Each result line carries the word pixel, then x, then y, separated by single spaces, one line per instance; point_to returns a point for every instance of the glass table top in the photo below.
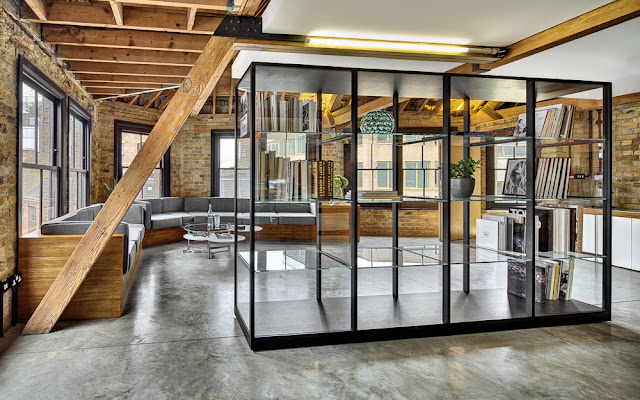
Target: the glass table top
pixel 205 227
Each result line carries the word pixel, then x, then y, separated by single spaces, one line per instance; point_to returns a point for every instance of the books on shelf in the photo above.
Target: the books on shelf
pixel 275 113
pixel 502 232
pixel 557 229
pixel 553 279
pixel 282 179
pixel 552 178
pixel 554 121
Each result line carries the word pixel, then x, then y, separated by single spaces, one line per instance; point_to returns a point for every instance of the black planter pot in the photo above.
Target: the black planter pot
pixel 462 188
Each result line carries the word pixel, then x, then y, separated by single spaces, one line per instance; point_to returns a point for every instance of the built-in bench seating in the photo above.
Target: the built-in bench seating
pixel 279 221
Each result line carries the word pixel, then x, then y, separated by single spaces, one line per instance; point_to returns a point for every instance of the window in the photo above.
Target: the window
pixel 384 138
pixel 226 166
pixel 78 157
pixel 129 139
pixel 415 176
pixel 292 146
pixel 383 175
pixel 360 165
pixel 223 164
pixel 40 112
pixel 302 144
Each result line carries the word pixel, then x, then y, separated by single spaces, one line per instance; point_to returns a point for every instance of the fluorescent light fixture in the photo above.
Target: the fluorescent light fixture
pixel 388 45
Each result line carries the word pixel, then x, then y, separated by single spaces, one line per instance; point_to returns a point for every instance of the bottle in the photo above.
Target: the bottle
pixel 210 218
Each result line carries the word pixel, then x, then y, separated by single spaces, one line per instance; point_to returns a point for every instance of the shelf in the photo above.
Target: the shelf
pixel 382 257
pixel 403 199
pixel 292 260
pixel 267 132
pixel 492 198
pixel 479 140
pixel 330 201
pixel 576 199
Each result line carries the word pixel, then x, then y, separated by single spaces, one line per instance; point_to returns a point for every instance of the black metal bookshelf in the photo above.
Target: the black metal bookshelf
pixel 344 305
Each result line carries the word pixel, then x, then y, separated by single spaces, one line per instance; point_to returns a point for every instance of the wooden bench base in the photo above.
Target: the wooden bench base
pixel 102 294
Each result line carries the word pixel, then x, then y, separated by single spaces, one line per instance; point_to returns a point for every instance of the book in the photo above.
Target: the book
pixel 552 178
pixel 502 229
pixel 555 121
pixel 517 280
pixel 487 234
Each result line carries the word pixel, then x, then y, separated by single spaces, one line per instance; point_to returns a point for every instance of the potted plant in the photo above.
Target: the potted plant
pixel 461 181
pixel 109 189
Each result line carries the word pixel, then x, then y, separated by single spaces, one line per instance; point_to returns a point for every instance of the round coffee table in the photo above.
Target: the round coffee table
pixel 216 238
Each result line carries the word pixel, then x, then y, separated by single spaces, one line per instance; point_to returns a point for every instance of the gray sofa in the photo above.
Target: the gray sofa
pixel 76 223
pixel 170 212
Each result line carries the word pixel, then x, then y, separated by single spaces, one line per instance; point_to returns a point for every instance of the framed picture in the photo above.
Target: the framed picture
pixel 515 178
pixel 244 103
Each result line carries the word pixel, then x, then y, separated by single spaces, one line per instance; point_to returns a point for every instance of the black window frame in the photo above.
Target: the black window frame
pixel 216 135
pixel 78 112
pixel 120 126
pixel 29 74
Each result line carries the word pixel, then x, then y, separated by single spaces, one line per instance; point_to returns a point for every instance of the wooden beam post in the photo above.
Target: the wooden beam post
pixel 205 73
pixel 39 8
pixel 118 12
pixel 191 18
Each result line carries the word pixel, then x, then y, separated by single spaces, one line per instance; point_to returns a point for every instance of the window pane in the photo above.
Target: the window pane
pixel 383 174
pixel 73 191
pixel 28 125
pixel 410 178
pixel 152 187
pixel 79 144
pixel 227 153
pixel 49 195
pixel 130 146
pixel 82 189
pixel 46 126
pixel 30 200
pixel 292 146
pixel 72 138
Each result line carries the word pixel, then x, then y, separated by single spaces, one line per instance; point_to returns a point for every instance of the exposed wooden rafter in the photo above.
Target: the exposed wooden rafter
pixel 39 8
pixel 118 12
pixel 99 15
pixel 343 116
pixel 596 20
pixel 126 56
pixel 84 67
pixel 123 38
pixel 135 79
pixel 191 18
pixel 204 74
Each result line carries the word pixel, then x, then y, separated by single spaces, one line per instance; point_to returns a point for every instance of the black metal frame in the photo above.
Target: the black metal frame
pixel 126 126
pixel 447 327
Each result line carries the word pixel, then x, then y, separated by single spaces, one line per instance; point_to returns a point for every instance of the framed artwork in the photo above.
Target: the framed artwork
pixel 515 178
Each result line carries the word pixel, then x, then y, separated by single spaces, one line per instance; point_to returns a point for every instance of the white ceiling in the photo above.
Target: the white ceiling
pixel 609 55
pixel 483 23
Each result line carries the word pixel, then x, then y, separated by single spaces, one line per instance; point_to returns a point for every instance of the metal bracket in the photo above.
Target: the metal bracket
pixel 11 283
pixel 250 28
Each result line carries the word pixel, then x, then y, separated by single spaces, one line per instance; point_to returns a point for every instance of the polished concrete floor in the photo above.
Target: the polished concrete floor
pixel 179 339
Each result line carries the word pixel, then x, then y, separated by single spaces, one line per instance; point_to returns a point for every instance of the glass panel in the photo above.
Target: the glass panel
pixel 227 154
pixel 73 191
pixel 49 195
pixel 72 138
pixel 79 149
pixel 28 124
pixel 131 143
pixel 46 129
pixel 153 186
pixel 30 200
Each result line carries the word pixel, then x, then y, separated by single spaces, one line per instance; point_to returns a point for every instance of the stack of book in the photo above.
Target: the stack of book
pixel 553 279
pixel 556 230
pixel 378 195
pixel 284 180
pixel 552 178
pixel 274 113
pixel 551 122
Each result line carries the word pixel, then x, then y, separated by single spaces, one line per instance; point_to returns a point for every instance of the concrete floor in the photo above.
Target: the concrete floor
pixel 179 339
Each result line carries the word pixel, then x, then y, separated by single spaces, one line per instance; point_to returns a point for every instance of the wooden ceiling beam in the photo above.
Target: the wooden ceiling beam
pixel 402 105
pixel 106 91
pixel 126 56
pixel 253 8
pixel 114 85
pixel 99 15
pixel 135 79
pixel 84 67
pixel 378 104
pixel 210 5
pixel 596 20
pixel 166 101
pixel 584 104
pixel 118 12
pixel 123 38
pixel 205 73
pixel 421 105
pixel 39 8
pixel 191 18
pixel 334 102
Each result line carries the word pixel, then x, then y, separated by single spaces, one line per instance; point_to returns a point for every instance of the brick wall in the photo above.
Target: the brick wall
pixel 413 223
pixel 626 156
pixel 20 39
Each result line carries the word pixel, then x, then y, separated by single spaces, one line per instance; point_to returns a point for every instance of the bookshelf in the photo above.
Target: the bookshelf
pixel 295 118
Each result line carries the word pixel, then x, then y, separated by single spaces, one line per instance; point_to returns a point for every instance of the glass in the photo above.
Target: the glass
pixel 49 195
pixel 46 129
pixel 73 191
pixel 78 147
pixel 31 203
pixel 131 143
pixel 28 124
